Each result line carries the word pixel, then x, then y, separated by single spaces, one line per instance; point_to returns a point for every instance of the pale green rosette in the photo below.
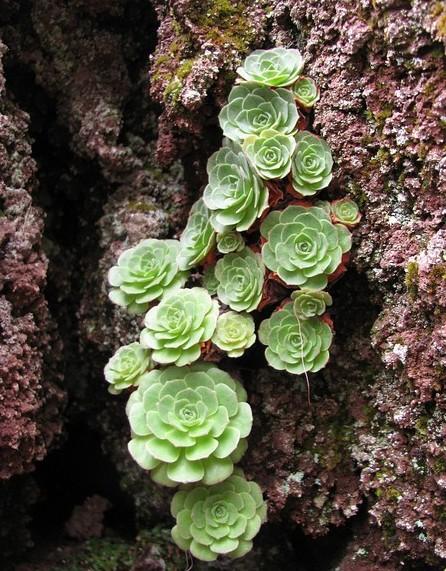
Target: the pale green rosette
pixel 252 109
pixel 218 520
pixel 235 333
pixel 178 325
pixel 277 67
pixel 308 303
pixel 346 211
pixel 198 238
pixel 240 278
pixel 293 345
pixel 303 246
pixel 145 273
pixel 189 424
pixel 270 153
pixel 312 164
pixel 126 368
pixel 306 92
pixel 235 194
pixel 230 242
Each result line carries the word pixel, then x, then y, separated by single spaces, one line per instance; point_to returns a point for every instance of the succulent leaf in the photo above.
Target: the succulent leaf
pixel 297 346
pixel 178 325
pixel 218 520
pixel 306 92
pixel 303 246
pixel 145 273
pixel 308 303
pixel 311 165
pixel 270 153
pixel 209 281
pixel 240 276
pixel 235 194
pixel 251 109
pixel 277 67
pixel 235 333
pixel 198 238
pixel 189 424
pixel 126 367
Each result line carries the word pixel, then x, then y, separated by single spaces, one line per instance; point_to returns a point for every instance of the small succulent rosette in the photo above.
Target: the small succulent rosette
pixel 230 241
pixel 345 211
pixel 306 92
pixel 278 67
pixel 189 424
pixel 198 238
pixel 177 327
pixel 309 303
pixel 218 520
pixel 312 164
pixel 294 345
pixel 145 273
pixel 235 194
pixel 126 368
pixel 235 332
pixel 303 247
pixel 270 153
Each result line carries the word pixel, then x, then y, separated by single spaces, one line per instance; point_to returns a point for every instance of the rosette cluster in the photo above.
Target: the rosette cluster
pixel 262 235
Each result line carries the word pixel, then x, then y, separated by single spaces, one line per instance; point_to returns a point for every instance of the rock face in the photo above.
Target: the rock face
pixel 120 157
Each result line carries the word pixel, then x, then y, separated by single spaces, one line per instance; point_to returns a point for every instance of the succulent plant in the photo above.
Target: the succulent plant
pixel 145 273
pixel 198 238
pixel 240 276
pixel 303 246
pixel 209 281
pixel 189 424
pixel 277 67
pixel 308 303
pixel 251 109
pixel 270 153
pixel 230 241
pixel 178 325
pixel 345 211
pixel 311 165
pixel 235 194
pixel 218 520
pixel 126 367
pixel 306 92
pixel 235 333
pixel 297 346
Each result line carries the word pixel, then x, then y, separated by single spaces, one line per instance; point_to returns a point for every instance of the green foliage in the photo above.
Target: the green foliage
pixel 240 276
pixel 209 281
pixel 312 164
pixel 235 333
pixel 198 238
pixel 230 242
pixel 188 424
pixel 178 325
pixel 270 153
pixel 251 109
pixel 345 211
pixel 277 67
pixel 308 303
pixel 220 520
pixel 145 273
pixel 306 92
pixel 235 194
pixel 303 246
pixel 126 367
pixel 297 346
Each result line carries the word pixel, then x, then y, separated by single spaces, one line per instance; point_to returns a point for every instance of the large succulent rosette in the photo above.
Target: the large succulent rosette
pixel 277 67
pixel 145 273
pixel 311 165
pixel 251 109
pixel 240 276
pixel 218 520
pixel 188 424
pixel 126 367
pixel 177 327
pixel 294 345
pixel 303 247
pixel 235 194
pixel 198 238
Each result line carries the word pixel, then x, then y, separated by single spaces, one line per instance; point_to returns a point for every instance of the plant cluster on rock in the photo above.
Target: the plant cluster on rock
pixel 256 243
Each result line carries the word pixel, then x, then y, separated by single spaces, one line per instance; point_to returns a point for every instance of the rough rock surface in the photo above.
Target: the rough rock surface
pixel 363 468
